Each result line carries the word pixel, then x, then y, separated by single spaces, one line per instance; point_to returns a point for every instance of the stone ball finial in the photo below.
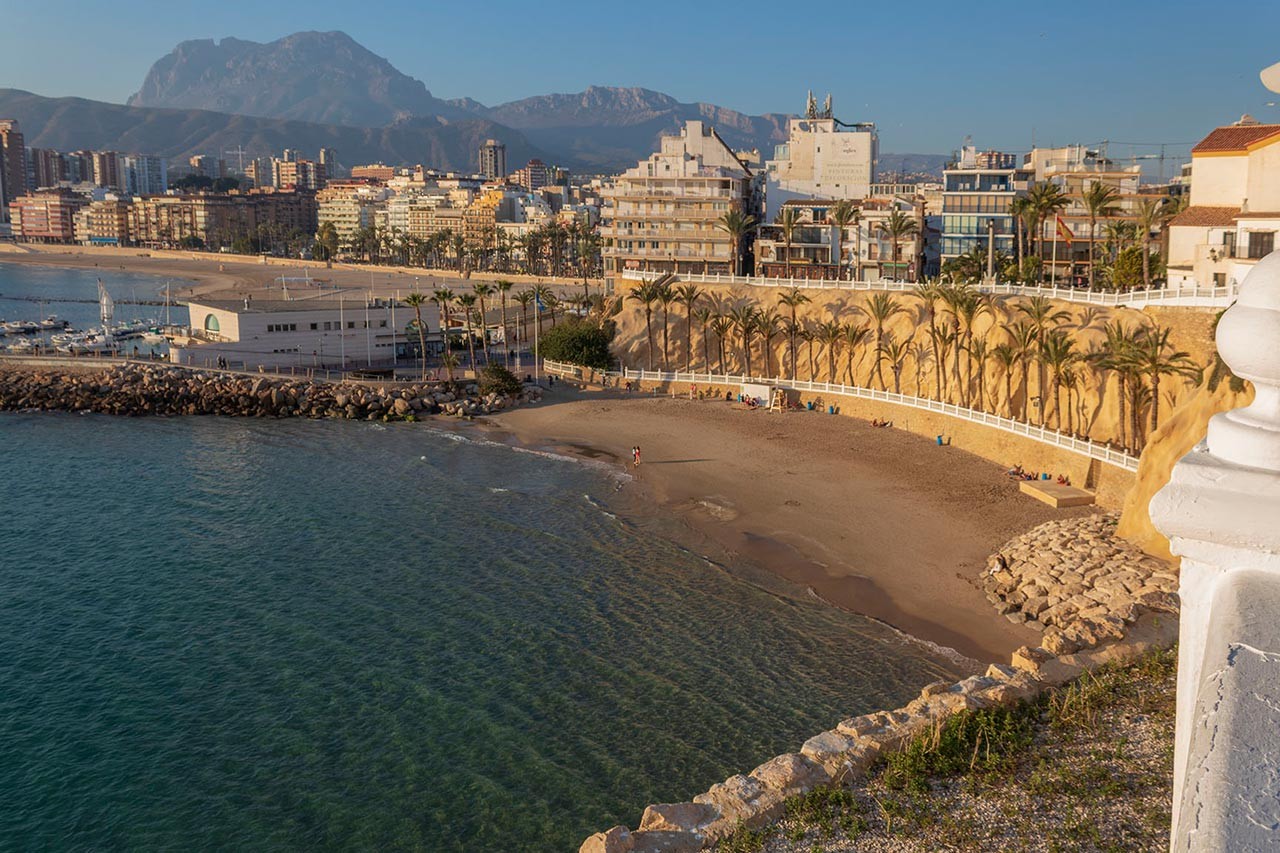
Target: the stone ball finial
pixel 1249 342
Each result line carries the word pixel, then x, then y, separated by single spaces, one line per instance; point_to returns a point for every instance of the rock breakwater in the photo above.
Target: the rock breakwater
pixel 136 390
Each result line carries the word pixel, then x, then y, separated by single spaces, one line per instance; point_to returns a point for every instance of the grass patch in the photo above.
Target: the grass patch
pixel 979 742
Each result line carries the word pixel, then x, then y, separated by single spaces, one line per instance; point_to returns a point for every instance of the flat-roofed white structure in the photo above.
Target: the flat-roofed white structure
pixel 332 332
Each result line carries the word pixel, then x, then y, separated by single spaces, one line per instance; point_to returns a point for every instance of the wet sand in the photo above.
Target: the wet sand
pixel 877 521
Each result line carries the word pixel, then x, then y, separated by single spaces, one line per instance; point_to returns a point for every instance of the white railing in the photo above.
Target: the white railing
pixel 1198 296
pixel 1083 446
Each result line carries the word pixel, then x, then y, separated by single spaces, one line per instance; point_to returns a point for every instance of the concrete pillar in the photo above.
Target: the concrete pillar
pixel 1221 512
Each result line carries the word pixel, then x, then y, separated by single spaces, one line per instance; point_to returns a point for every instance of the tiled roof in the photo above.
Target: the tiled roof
pixel 1204 216
pixel 1236 138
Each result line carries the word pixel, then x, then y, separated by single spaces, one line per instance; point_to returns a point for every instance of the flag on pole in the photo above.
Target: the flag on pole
pixel 1064 231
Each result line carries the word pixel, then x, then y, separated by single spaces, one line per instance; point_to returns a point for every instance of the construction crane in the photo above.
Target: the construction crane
pixel 238 150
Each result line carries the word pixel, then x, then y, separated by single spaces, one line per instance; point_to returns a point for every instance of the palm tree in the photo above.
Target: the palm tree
pixel 855 335
pixel 1018 210
pixel 807 335
pixel 1152 214
pixel 1005 357
pixel 968 306
pixel 793 299
pixel 1025 342
pixel 444 299
pixel 646 294
pixel 1046 199
pixel 482 290
pixel 831 335
pixel 524 299
pixel 769 325
pixel 1153 357
pixel 466 302
pixel 788 221
pixel 842 214
pixel 929 293
pixel 703 314
pixel 689 294
pixel 1057 352
pixel 666 297
pixel 450 362
pixel 542 298
pixel 895 352
pixel 899 226
pixel 502 286
pixel 737 224
pixel 1099 201
pixel 744 321
pixel 881 308
pixel 1041 314
pixel 415 301
pixel 979 353
pixel 722 325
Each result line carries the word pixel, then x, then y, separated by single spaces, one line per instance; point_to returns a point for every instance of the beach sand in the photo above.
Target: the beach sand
pixel 877 521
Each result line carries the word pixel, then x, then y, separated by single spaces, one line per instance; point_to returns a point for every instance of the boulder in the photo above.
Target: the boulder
pixel 678 817
pixel 790 774
pixel 616 840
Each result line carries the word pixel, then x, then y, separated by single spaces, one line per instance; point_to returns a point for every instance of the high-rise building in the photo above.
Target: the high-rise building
pixel 106 169
pixel 46 216
pixel 665 209
pixel 13 160
pixel 144 174
pixel 329 159
pixel 493 159
pixel 822 158
pixel 208 166
pixel 48 167
pixel 534 176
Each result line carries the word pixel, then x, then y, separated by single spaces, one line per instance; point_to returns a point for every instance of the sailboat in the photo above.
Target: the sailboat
pixel 96 341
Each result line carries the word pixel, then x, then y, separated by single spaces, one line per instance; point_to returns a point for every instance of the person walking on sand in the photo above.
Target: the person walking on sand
pixel 635 456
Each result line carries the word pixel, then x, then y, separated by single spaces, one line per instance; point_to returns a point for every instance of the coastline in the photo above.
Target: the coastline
pixel 875 521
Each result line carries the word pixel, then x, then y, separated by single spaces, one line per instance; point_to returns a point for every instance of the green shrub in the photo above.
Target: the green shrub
pixel 578 342
pixel 496 379
pixel 968 741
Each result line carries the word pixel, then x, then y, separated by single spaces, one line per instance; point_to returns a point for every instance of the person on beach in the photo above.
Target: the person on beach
pixel 635 456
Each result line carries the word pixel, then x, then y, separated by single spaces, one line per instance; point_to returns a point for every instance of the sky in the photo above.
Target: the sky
pixel 1140 74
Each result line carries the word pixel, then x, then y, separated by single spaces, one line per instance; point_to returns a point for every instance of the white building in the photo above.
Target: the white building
pixel 143 174
pixel 1235 206
pixel 329 333
pixel 822 158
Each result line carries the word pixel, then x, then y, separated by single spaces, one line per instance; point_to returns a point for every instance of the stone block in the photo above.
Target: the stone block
pixel 616 840
pixel 678 817
pixel 790 774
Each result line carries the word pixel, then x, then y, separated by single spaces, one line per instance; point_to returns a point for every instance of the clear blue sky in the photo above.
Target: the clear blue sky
pixel 1145 72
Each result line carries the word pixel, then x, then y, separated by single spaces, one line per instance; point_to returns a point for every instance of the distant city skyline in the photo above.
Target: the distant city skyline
pixel 1141 75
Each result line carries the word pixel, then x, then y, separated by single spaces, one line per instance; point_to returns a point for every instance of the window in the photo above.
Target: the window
pixel 313 326
pixel 1261 243
pixel 351 324
pixel 211 323
pixel 382 324
pixel 327 325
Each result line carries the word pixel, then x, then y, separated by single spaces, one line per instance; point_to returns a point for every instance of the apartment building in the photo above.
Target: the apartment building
pixel 493 160
pixel 13 162
pixel 862 251
pixel 1235 206
pixel 46 216
pixel 103 223
pixel 663 212
pixel 823 157
pixel 349 205
pixel 977 191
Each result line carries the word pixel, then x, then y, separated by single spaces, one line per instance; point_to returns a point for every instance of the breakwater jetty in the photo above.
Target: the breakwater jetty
pixel 148 389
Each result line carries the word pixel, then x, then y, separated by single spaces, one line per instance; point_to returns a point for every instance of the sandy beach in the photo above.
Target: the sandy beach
pixel 877 521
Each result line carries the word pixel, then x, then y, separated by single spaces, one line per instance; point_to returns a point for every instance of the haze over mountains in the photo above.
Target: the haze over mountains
pixel 314 89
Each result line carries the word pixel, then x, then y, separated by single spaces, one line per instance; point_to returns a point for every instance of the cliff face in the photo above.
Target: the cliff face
pixel 1173 440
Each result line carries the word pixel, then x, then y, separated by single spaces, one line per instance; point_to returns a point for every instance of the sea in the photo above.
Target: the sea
pixel 235 634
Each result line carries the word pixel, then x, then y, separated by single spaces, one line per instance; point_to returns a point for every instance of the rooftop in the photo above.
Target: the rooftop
pixel 1205 215
pixel 1237 139
pixel 275 306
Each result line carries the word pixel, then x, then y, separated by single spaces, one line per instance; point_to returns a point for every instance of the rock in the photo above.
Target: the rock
pixel 616 840
pixel 790 774
pixel 1055 642
pixel 934 688
pixel 401 407
pixel 663 841
pixel 678 817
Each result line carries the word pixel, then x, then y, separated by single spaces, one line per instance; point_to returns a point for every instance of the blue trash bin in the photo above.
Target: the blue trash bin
pixel 939 441
pixel 810 404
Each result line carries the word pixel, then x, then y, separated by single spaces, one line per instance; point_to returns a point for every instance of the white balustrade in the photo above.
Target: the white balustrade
pixel 1084 447
pixel 1221 512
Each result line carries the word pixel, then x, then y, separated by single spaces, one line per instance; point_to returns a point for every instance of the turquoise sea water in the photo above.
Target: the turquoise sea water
pixel 267 635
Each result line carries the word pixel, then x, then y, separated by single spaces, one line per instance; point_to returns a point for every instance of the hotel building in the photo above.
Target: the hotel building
pixel 976 193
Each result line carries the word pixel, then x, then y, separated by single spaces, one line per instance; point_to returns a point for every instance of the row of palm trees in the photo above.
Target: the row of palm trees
pixel 553 249
pixel 1046 200
pixel 959 338
pixel 473 308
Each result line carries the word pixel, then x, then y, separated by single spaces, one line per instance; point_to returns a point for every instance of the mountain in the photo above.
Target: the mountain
pixel 74 123
pixel 326 78
pixel 611 128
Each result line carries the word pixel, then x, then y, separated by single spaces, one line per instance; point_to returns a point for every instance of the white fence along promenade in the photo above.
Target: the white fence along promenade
pixel 1083 446
pixel 1210 297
